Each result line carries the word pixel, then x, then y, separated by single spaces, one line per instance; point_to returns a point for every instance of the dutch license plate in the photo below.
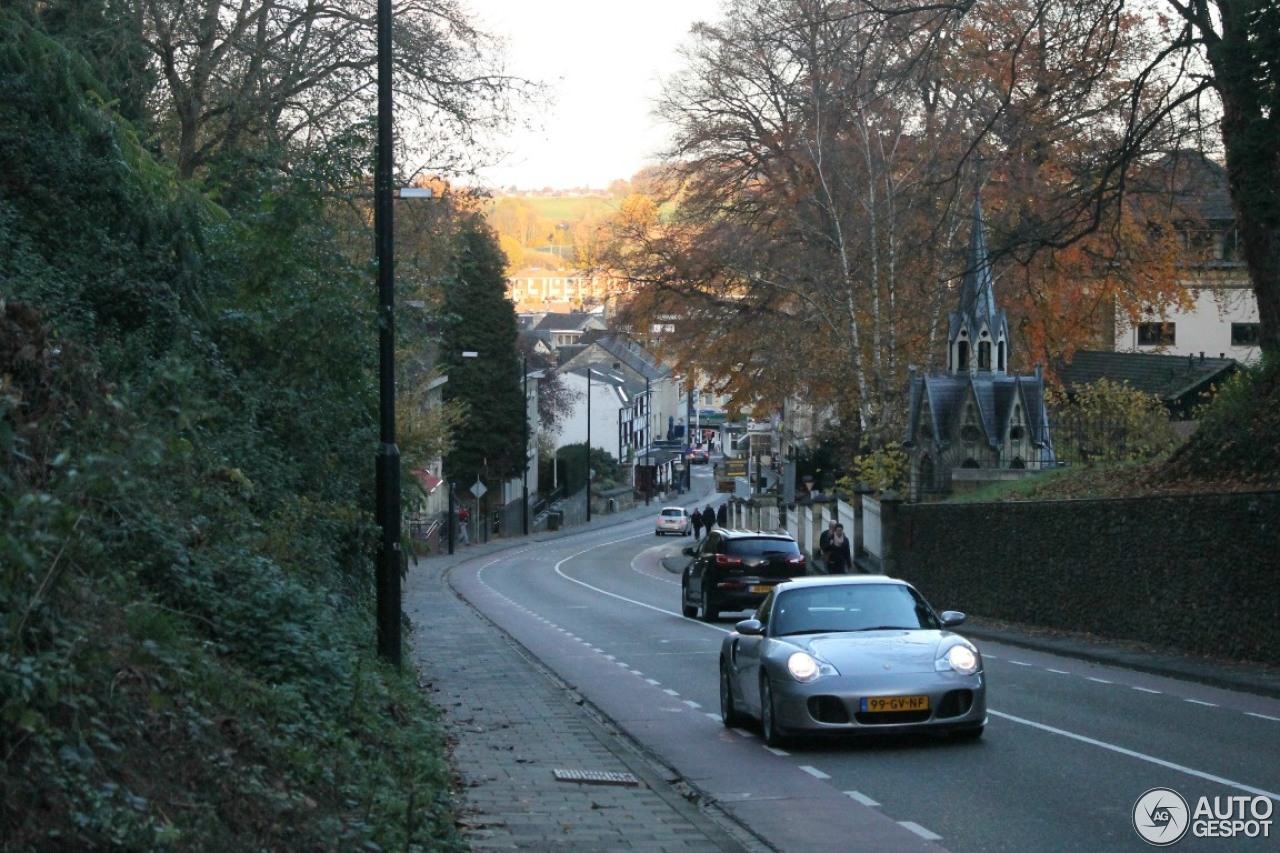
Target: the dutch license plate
pixel 889 704
pixel 761 587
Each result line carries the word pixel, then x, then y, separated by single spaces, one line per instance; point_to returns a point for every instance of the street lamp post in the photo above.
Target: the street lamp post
pixel 588 442
pixel 525 480
pixel 449 521
pixel 388 466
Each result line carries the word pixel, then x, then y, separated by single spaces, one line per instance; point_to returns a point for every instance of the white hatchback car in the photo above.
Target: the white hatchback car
pixel 673 519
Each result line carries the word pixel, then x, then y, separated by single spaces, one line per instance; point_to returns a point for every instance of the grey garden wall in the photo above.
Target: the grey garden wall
pixel 1198 573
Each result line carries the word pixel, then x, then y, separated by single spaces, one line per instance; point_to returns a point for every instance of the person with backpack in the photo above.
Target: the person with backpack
pixel 464 516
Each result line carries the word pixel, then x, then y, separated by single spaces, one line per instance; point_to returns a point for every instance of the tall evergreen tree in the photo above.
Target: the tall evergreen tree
pixel 479 318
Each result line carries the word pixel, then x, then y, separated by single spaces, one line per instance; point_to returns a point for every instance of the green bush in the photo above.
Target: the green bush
pixel 186 466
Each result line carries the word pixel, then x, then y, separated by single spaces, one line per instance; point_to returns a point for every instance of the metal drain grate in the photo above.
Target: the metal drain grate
pixel 596 777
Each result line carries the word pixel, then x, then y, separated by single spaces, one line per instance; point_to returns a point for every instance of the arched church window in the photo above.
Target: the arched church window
pixel 1016 433
pixel 1000 356
pixel 928 473
pixel 970 432
pixel 984 355
pixel 962 355
pixel 970 463
pixel 1017 463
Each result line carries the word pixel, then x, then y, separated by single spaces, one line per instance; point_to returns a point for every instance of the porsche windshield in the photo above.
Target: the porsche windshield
pixel 850 607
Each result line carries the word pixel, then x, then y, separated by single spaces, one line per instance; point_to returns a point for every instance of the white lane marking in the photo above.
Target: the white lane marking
pixel 692 704
pixel 777 751
pixel 559 568
pixel 862 798
pixel 1159 761
pixel 665 577
pixel 1263 716
pixel 1200 702
pixel 919 830
pixel 655 682
pixel 1190 771
pixel 1147 690
pixel 814 772
pixel 712 716
pixel 1057 671
pixel 670 692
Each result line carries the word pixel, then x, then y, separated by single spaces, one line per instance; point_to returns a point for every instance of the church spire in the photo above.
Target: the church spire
pixel 979 331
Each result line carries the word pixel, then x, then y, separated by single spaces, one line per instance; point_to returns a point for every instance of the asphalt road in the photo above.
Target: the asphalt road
pixel 1070 747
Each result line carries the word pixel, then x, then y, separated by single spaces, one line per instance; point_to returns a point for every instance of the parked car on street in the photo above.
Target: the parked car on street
pixel 673 519
pixel 699 457
pixel 851 655
pixel 736 569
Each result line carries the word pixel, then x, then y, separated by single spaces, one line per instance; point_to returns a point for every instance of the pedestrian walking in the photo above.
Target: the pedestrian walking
pixel 697 525
pixel 824 541
pixel 722 515
pixel 840 559
pixel 708 518
pixel 464 515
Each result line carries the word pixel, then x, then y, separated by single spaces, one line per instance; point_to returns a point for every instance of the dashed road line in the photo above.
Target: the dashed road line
pixel 919 830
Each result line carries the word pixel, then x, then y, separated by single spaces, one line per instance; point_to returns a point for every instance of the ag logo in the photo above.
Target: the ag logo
pixel 1161 817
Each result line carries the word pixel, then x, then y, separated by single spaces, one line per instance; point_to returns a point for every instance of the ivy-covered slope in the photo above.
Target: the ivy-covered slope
pixel 186 449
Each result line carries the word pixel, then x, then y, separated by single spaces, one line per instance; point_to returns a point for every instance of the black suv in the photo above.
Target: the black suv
pixel 736 569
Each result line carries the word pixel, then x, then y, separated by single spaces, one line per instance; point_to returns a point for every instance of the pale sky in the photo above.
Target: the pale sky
pixel 601 60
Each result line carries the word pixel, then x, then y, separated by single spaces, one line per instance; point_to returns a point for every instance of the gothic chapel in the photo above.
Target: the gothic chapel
pixel 975 423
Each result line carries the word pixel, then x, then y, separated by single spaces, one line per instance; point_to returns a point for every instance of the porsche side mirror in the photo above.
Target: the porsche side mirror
pixel 951 618
pixel 751 627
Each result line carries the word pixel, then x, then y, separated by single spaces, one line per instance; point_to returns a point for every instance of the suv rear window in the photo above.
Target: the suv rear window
pixel 760 547
pixel 673 513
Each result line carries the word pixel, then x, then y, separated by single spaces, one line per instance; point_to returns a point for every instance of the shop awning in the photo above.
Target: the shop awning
pixel 428 480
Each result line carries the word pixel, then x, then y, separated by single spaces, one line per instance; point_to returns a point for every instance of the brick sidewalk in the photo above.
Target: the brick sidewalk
pixel 537 770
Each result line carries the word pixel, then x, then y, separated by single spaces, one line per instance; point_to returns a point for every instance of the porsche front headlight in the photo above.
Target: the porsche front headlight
pixel 804 667
pixel 961 658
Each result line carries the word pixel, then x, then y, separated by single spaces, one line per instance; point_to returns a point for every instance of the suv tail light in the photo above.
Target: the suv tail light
pixel 728 560
pixel 797 560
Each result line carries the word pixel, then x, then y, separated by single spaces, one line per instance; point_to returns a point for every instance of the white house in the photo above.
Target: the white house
pixel 1223 322
pixel 629 360
pixel 611 409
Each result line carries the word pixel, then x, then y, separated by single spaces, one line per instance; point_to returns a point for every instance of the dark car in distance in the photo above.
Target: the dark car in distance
pixel 735 569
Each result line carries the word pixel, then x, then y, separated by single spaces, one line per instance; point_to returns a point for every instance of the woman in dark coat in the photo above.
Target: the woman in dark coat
pixel 722 515
pixel 708 518
pixel 839 556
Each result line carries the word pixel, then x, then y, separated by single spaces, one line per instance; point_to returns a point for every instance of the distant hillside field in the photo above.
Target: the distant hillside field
pixel 568 208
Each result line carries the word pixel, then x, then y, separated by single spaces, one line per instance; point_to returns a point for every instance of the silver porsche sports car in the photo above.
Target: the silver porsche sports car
pixel 851 654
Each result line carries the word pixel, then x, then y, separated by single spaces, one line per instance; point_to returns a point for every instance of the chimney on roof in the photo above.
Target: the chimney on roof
pixel 1201 357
